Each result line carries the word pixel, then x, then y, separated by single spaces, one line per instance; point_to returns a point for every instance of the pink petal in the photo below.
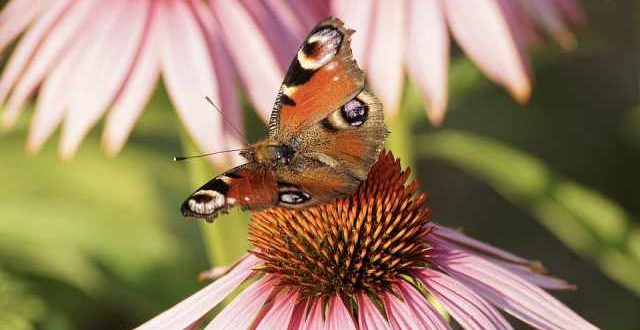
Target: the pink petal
pixel 279 316
pixel 315 319
pixel 572 11
pixel 482 31
pixel 449 239
pixel 400 315
pixel 103 69
pixel 240 313
pixel 140 84
pixel 193 308
pixel 310 12
pixel 17 15
pixel 189 73
pixel 36 51
pixel 428 317
pixel 369 317
pixel 297 317
pixel 359 16
pixel 284 11
pixel 338 317
pixel 260 72
pixel 384 67
pixel 55 92
pixel 467 243
pixel 513 294
pixel 227 77
pixel 283 41
pixel 550 17
pixel 467 307
pixel 427 54
pixel 541 280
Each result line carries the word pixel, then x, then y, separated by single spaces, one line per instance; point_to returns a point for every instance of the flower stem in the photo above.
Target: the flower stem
pixel 400 125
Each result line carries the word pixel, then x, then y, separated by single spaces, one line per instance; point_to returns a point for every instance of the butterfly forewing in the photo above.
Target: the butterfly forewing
pixel 322 77
pixel 248 186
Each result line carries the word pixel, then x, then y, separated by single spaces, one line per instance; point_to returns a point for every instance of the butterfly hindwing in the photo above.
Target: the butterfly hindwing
pixel 335 154
pixel 249 186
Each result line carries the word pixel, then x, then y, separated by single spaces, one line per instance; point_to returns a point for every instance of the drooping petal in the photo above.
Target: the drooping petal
pixel 286 14
pixel 538 279
pixel 227 77
pixel 41 46
pixel 422 309
pixel 310 12
pixel 103 69
pixel 140 84
pixel 427 54
pixel 297 316
pixel 315 318
pixel 450 239
pixel 260 72
pixel 240 313
pixel 513 294
pixel 369 317
pixel 548 15
pixel 492 47
pixel 279 315
pixel 338 317
pixel 359 16
pixel 463 241
pixel 282 40
pixel 56 93
pixel 193 308
pixel 572 11
pixel 17 15
pixel 400 315
pixel 467 307
pixel 384 68
pixel 189 74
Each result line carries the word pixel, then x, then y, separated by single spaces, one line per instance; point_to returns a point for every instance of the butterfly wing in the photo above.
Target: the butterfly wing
pixel 336 128
pixel 249 186
pixel 322 77
pixel 335 154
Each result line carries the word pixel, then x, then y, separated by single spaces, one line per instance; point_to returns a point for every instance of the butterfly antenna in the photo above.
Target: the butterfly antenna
pixel 226 120
pixel 179 158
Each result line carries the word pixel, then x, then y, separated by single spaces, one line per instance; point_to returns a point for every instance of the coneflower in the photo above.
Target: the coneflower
pixel 373 260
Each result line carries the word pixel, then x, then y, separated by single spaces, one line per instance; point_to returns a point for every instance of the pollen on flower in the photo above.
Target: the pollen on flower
pixel 357 244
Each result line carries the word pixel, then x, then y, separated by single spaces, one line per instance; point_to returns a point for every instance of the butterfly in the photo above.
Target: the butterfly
pixel 324 133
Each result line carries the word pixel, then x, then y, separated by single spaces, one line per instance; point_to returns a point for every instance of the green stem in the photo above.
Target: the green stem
pixel 400 125
pixel 226 238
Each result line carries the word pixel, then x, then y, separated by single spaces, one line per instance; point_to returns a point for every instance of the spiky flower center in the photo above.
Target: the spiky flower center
pixel 361 243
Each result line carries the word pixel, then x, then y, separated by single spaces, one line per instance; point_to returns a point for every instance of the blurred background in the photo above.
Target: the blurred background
pixel 98 242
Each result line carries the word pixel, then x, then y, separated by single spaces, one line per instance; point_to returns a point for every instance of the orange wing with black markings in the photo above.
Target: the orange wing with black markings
pixel 322 77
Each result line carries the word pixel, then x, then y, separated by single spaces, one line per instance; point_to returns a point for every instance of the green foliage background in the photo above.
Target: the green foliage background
pixel 98 243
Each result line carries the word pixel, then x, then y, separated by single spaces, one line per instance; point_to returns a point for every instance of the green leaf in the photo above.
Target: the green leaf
pixel 68 220
pixel 19 309
pixel 585 220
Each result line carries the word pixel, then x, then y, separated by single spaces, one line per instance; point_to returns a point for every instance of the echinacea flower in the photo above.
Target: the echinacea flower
pixel 372 261
pixel 88 58
pixel 495 34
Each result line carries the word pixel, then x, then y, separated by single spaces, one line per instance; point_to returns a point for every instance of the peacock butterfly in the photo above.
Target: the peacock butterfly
pixel 325 131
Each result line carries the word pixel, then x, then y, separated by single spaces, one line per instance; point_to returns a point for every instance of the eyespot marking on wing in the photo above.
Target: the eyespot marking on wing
pixel 355 112
pixel 205 202
pixel 291 195
pixel 319 48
